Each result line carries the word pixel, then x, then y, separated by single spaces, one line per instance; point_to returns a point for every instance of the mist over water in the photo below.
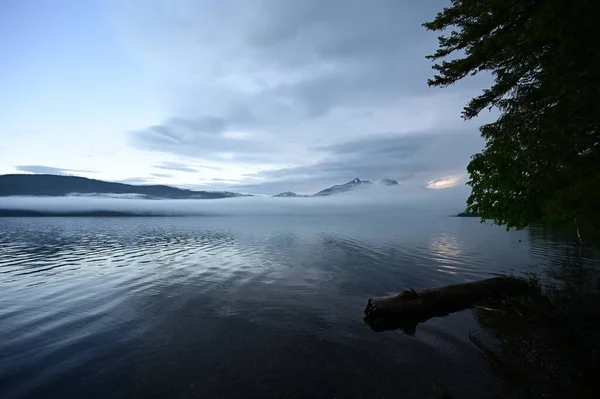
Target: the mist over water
pixel 366 200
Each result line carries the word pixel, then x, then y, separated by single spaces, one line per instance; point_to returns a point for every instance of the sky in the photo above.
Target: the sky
pixel 257 96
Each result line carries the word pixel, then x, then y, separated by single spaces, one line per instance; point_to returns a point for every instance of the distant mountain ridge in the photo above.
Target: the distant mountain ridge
pixel 57 185
pixel 290 194
pixel 341 188
pixel 389 182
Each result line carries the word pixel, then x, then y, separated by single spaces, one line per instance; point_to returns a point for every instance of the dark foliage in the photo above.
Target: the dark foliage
pixel 542 155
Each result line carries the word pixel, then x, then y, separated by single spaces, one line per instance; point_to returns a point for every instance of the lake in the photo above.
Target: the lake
pixel 236 307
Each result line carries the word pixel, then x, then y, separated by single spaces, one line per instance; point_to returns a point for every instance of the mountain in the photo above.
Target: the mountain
pixel 351 185
pixel 289 194
pixel 389 182
pixel 56 185
pixel 342 188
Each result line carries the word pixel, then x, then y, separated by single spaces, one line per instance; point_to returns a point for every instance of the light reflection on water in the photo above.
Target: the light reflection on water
pixel 446 250
pixel 245 307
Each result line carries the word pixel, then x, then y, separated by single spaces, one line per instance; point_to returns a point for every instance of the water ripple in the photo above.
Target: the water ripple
pixel 208 307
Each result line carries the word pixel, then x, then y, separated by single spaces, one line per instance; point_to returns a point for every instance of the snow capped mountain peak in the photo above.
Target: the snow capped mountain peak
pixel 341 188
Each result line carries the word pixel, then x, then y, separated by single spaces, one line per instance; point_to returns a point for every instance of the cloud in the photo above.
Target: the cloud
pixel 443 183
pixel 49 170
pixel 298 90
pixel 310 55
pixel 417 157
pixel 201 124
pixel 176 166
pixel 208 145
pixel 134 180
pixel 182 167
pixel 165 175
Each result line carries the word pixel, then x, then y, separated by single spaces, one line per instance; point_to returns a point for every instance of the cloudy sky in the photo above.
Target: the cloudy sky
pixel 257 96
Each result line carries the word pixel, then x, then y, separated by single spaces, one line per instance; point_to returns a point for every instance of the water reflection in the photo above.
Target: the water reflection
pixel 241 307
pixel 447 250
pixel 549 347
pixel 567 265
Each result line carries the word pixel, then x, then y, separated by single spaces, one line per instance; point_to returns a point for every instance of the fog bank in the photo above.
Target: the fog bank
pixel 372 200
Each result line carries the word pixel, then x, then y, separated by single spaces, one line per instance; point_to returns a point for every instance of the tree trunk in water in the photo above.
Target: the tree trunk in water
pixel 409 308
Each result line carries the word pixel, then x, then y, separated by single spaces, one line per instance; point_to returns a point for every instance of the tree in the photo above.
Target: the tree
pixel 542 155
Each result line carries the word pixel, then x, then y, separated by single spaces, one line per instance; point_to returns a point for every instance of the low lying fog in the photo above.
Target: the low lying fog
pixel 369 200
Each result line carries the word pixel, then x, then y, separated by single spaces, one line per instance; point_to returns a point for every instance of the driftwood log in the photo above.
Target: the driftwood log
pixel 411 307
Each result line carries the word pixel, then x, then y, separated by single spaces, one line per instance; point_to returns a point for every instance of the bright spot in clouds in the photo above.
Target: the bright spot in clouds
pixel 443 183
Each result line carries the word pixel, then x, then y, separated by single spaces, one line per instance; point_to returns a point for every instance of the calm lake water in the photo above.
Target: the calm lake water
pixel 234 307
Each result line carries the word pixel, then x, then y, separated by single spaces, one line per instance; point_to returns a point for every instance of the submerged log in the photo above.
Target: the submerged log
pixel 411 307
